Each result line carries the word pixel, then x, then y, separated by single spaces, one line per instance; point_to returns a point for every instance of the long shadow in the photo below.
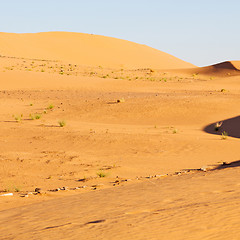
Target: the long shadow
pixel 211 168
pixel 227 165
pixel 231 126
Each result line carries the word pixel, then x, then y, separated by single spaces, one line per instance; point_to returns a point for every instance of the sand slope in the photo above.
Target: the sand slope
pixel 199 206
pixel 149 132
pixel 86 49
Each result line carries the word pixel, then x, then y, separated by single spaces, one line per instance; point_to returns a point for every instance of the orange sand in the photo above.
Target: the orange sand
pixel 86 49
pixel 146 128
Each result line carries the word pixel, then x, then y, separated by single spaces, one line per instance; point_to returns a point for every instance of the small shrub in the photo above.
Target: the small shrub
pixel 101 174
pixel 50 106
pixel 195 74
pixel 175 131
pixel 17 118
pixel 224 135
pixel 38 116
pixel 62 123
pixel 17 189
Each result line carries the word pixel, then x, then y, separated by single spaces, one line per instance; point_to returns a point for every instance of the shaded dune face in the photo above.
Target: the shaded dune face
pixel 87 49
pixel 232 65
pixel 230 126
pixel 223 69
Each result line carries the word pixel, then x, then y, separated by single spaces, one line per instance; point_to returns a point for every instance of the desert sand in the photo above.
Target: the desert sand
pixel 120 139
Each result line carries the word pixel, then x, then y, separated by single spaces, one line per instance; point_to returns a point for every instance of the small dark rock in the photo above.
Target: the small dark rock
pixel 38 190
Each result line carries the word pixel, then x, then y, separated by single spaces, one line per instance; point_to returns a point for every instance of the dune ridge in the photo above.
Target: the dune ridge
pixel 87 49
pixel 234 65
pixel 222 69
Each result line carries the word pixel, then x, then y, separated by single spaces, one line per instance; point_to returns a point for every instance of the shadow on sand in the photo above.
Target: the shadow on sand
pixel 231 126
pixel 227 165
pixel 211 168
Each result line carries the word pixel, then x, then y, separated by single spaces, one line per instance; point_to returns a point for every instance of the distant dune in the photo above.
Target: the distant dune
pixel 233 65
pixel 87 49
pixel 223 69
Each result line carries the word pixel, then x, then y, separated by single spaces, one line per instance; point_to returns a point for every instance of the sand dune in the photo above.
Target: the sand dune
pixel 231 65
pixel 86 49
pixel 223 69
pixel 138 158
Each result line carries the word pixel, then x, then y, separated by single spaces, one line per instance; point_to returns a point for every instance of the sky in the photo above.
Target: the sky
pixel 202 32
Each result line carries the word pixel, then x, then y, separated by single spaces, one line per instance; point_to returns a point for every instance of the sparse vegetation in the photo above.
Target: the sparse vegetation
pixel 11 188
pixel 50 106
pixel 175 131
pixel 17 189
pixel 101 174
pixel 195 75
pixel 224 135
pixel 18 118
pixel 62 123
pixel 38 116
pixel 31 117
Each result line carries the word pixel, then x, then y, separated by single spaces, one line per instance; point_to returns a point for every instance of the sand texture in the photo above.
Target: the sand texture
pixel 86 49
pixel 138 146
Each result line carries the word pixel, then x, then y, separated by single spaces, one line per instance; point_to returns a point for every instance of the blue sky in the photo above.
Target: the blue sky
pixel 201 32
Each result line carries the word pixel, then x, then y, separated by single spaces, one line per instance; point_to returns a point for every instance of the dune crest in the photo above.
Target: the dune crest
pixel 227 67
pixel 87 49
pixel 223 69
pixel 231 65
